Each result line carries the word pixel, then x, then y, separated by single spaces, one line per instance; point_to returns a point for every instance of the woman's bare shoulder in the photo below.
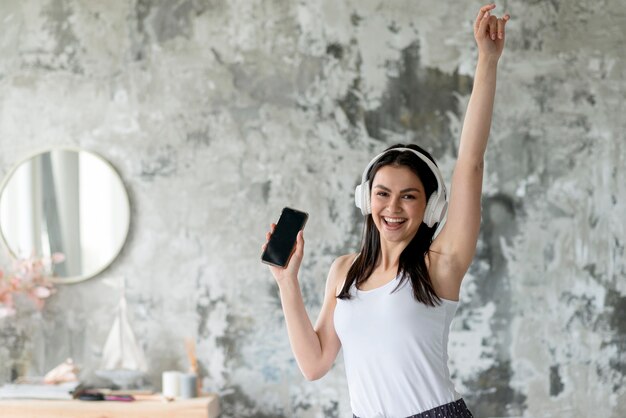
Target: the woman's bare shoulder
pixel 344 262
pixel 339 271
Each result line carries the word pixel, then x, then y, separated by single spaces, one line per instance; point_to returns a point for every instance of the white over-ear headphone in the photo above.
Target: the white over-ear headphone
pixel 435 208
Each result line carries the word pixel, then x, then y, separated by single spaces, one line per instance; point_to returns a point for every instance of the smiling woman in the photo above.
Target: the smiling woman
pixel 65 201
pixel 389 307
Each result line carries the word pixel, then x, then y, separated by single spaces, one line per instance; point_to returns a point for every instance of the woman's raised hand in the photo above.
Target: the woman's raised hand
pixel 489 32
pixel 290 272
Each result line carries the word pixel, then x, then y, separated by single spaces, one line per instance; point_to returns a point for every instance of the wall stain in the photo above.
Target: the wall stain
pixel 355 19
pixel 161 165
pixel 488 397
pixel 236 330
pixel 15 345
pixel 237 404
pixel 490 390
pixel 266 188
pixel 580 95
pixel 167 19
pixel 351 103
pixel 617 303
pixel 616 312
pixel 162 20
pixel 65 52
pixel 268 88
pixel 585 314
pixel 556 384
pixel 204 311
pixel 335 50
pixel 331 411
pixel 417 100
pixel 200 137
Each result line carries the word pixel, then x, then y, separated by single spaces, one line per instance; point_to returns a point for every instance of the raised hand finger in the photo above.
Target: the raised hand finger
pixel 493 27
pixel 483 28
pixel 501 23
pixel 481 13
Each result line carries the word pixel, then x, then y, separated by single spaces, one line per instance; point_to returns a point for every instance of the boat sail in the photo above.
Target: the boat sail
pixel 123 360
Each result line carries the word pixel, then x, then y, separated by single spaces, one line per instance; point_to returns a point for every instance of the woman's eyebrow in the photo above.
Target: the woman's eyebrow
pixel 387 189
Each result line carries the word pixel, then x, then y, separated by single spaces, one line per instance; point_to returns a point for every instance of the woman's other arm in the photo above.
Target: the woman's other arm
pixel 457 241
pixel 315 348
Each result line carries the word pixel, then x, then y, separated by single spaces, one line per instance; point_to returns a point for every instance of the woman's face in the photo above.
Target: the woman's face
pixel 398 203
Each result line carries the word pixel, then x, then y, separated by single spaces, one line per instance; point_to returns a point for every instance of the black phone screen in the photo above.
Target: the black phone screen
pixel 283 239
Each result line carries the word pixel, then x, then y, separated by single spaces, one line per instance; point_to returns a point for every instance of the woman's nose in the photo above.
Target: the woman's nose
pixel 394 205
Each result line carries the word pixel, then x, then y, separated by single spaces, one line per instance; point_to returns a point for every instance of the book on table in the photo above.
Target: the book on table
pixel 37 391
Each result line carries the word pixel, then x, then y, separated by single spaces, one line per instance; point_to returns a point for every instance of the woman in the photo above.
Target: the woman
pixel 390 305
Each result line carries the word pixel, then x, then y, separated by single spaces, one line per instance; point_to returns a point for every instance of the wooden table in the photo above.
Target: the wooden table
pixel 147 406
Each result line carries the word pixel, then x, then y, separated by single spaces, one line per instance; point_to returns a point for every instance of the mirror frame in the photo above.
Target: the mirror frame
pixel 116 253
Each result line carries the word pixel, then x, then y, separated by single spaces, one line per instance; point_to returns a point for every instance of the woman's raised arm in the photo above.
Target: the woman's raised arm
pixel 457 240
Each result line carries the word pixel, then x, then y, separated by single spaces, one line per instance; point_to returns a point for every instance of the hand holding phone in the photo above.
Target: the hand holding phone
pixel 282 241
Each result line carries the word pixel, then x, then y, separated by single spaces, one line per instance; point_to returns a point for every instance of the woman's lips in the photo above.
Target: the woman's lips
pixel 393 223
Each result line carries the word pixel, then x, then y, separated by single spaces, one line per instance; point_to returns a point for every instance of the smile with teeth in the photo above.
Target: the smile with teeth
pixel 394 221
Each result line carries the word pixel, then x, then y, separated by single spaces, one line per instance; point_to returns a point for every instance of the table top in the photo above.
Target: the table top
pixel 145 406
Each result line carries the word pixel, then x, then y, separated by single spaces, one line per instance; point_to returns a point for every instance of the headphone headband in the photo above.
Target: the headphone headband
pixel 433 167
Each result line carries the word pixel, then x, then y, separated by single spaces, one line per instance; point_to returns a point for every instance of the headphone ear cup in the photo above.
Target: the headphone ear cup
pixel 362 198
pixel 428 213
pixel 435 209
pixel 367 198
pixel 358 201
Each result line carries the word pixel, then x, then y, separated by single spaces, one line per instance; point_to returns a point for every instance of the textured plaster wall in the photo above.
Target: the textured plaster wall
pixel 218 113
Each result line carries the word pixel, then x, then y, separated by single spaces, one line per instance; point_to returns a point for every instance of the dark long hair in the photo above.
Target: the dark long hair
pixel 412 264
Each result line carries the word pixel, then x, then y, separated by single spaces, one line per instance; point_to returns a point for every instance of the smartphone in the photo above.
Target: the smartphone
pixel 283 239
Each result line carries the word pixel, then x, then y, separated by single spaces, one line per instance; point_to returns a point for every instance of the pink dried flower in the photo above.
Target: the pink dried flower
pixel 31 277
pixel 41 292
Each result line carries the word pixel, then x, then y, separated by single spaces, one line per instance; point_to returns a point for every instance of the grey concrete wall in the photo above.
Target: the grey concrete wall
pixel 219 113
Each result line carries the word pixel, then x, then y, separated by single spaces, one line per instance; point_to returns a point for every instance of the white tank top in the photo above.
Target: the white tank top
pixel 395 351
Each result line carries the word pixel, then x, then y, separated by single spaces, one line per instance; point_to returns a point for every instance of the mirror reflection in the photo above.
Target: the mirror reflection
pixel 67 201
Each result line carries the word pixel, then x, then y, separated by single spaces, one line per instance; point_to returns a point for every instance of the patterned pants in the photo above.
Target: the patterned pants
pixel 456 409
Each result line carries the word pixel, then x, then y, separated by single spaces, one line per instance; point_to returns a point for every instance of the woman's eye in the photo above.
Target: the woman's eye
pixel 409 196
pixel 382 194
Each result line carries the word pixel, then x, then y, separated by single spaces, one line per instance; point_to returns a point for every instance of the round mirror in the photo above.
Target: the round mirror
pixel 65 201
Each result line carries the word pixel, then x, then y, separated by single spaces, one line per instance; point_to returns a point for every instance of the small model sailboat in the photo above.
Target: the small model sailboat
pixel 123 361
